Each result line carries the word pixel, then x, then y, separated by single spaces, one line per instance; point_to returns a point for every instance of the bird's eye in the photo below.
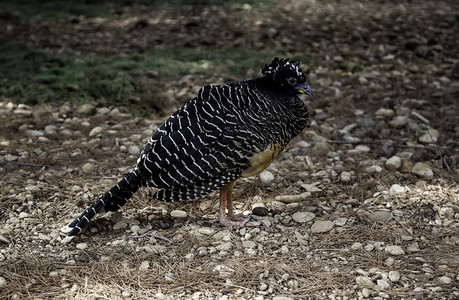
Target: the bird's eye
pixel 292 80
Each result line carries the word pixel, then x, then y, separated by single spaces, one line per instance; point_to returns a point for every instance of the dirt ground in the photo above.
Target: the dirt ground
pixel 363 204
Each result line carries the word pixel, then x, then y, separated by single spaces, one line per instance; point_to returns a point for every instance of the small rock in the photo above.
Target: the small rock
pixel 134 150
pixel 394 250
pixel 321 226
pixel 356 246
pixel 321 148
pixel 399 122
pixel 248 244
pixel 86 109
pixel 394 276
pixel 33 133
pixel 144 265
pixel 444 280
pixel 340 221
pixel 120 225
pixel 385 112
pixel 126 294
pixel 383 284
pixel 345 176
pixel 414 247
pixel 266 177
pixel 303 216
pixel 393 163
pixel 95 131
pixel 206 231
pixel 397 189
pixel 431 136
pixel 422 170
pixel 364 281
pixel 178 214
pixel 366 122
pixel 81 246
pixel 87 168
pixel 23 215
pixel 311 188
pixel 3 282
pixel 381 216
pixel 362 149
pixel 420 155
pixel 260 211
pixel 373 169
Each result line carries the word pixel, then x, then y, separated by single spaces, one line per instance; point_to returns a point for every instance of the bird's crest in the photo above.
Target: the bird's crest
pixel 283 68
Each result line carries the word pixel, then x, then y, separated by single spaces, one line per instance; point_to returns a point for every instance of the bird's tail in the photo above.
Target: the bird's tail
pixel 112 200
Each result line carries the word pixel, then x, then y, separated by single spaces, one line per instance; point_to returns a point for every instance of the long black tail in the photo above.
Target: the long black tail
pixel 111 201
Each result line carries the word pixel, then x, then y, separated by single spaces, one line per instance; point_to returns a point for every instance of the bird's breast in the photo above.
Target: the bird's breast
pixel 261 160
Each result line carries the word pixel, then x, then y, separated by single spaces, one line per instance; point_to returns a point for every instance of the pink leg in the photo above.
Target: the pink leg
pixel 226 202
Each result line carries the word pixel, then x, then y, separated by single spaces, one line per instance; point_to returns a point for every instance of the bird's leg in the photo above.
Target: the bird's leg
pixel 226 202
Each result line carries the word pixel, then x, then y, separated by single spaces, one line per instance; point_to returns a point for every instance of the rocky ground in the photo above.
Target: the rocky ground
pixel 363 204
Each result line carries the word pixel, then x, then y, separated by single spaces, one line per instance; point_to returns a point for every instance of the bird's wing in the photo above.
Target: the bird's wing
pixel 202 142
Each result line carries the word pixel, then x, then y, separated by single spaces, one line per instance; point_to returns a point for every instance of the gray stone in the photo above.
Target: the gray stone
pixel 393 163
pixel 86 109
pixel 394 250
pixel 120 225
pixel 81 246
pixel 399 122
pixel 383 284
pixel 321 226
pixel 431 136
pixel 397 189
pixel 95 131
pixel 345 176
pixel 292 198
pixel 178 214
pixel 266 177
pixel 303 216
pixel 87 168
pixel 248 244
pixel 422 170
pixel 385 112
pixel 321 148
pixel 394 276
pixel 381 216
pixel 366 122
pixel 3 282
pixel 134 150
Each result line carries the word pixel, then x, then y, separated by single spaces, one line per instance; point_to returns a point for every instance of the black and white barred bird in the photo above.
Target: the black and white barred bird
pixel 227 132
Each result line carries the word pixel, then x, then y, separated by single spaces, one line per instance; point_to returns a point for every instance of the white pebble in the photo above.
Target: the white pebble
pixel 81 246
pixel 3 282
pixel 266 177
pixel 303 216
pixel 394 276
pixel 394 250
pixel 178 214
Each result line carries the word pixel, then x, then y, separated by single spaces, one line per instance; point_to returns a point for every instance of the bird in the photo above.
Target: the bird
pixel 227 132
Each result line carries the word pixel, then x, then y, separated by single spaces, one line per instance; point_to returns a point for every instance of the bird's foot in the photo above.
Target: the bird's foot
pixel 234 220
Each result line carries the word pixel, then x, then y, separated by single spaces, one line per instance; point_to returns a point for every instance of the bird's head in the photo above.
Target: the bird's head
pixel 287 76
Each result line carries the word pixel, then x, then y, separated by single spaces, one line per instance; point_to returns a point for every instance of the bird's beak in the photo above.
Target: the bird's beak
pixel 304 88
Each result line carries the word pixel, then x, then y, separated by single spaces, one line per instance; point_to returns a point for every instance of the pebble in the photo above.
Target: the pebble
pixel 383 284
pixel 282 298
pixel 86 109
pixel 260 211
pixel 422 170
pixel 399 121
pixel 3 282
pixel 394 276
pixel 340 221
pixel 81 246
pixel 393 163
pixel 95 131
pixel 414 247
pixel 266 177
pixel 206 231
pixel 385 112
pixel 444 280
pixel 311 188
pixel 366 122
pixel 144 265
pixel 134 150
pixel 381 216
pixel 120 225
pixel 87 168
pixel 364 281
pixel 321 226
pixel 178 214
pixel 248 244
pixel 303 216
pixel 431 136
pixel 394 250
pixel 345 176
pixel 321 148
pixel 397 189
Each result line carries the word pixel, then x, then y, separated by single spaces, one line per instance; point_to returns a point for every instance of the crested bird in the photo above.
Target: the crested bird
pixel 225 133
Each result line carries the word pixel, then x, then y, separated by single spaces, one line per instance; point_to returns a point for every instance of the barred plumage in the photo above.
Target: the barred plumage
pixel 227 132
